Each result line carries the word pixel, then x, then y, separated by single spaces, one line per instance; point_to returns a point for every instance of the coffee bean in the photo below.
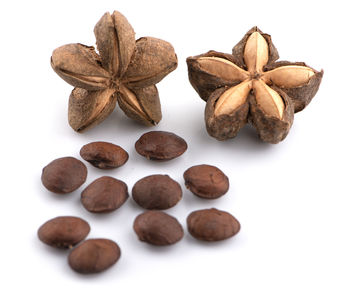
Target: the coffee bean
pixel 158 228
pixel 157 192
pixel 206 181
pixel 160 145
pixel 212 225
pixel 94 255
pixel 104 155
pixel 105 194
pixel 63 232
pixel 64 175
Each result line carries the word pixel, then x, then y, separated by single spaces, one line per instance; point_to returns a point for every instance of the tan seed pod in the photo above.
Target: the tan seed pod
pixel 125 70
pixel 78 65
pixel 115 40
pixel 87 109
pixel 147 67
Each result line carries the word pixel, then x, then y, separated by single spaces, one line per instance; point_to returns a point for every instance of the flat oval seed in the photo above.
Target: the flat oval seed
pixel 212 225
pixel 64 175
pixel 157 192
pixel 94 255
pixel 63 232
pixel 206 181
pixel 105 194
pixel 160 145
pixel 104 155
pixel 158 228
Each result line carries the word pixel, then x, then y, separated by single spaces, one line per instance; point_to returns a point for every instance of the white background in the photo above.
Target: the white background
pixel 292 199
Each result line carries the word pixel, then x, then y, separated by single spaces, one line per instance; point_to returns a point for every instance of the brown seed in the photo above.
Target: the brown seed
pixel 64 175
pixel 157 192
pixel 105 194
pixel 160 145
pixel 94 255
pixel 104 155
pixel 212 225
pixel 206 181
pixel 63 232
pixel 158 228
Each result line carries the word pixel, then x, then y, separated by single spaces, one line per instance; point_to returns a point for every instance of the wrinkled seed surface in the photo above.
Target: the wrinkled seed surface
pixel 104 155
pixel 160 145
pixel 157 192
pixel 64 175
pixel 212 225
pixel 158 228
pixel 94 255
pixel 105 194
pixel 64 231
pixel 206 181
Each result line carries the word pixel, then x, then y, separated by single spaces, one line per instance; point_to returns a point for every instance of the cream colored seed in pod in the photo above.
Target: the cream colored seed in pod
pixel 222 68
pixel 289 76
pixel 232 98
pixel 268 99
pixel 256 52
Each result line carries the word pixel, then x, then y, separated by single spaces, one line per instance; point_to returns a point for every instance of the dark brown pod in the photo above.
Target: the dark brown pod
pixel 250 82
pixel 205 80
pixel 271 129
pixel 94 256
pixel 160 145
pixel 63 232
pixel 64 175
pixel 301 96
pixel 212 225
pixel 158 228
pixel 238 50
pixel 157 192
pixel 227 125
pixel 206 181
pixel 104 155
pixel 105 194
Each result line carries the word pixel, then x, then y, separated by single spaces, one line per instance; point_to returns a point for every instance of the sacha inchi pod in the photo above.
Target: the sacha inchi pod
pixel 124 71
pixel 250 86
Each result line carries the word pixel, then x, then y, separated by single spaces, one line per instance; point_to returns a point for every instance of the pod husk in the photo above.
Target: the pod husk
pixel 79 65
pixel 148 99
pixel 271 129
pixel 224 126
pixel 238 50
pixel 147 67
pixel 205 83
pixel 115 39
pixel 82 112
pixel 301 96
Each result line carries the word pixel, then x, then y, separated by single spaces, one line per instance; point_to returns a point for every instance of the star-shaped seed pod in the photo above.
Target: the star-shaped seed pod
pixel 124 71
pixel 249 86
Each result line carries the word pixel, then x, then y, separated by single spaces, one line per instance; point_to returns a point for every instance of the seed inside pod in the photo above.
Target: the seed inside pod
pixel 157 192
pixel 206 181
pixel 105 194
pixel 104 155
pixel 94 255
pixel 212 225
pixel 64 232
pixel 158 228
pixel 64 175
pixel 160 145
